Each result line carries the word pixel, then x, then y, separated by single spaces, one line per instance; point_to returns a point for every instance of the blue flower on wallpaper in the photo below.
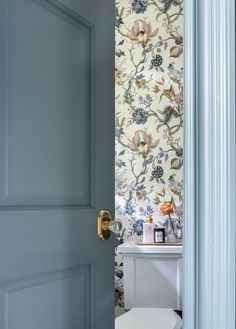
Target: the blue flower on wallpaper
pixel 139 6
pixel 148 211
pixel 140 116
pixel 129 208
pixel 137 226
pixel 141 192
pixel 119 163
pixel 119 53
pixel 173 183
pixel 172 70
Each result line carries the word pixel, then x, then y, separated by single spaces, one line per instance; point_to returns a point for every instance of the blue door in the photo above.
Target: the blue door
pixel 56 163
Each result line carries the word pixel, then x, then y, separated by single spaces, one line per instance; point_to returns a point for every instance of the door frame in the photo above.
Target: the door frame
pixel 209 165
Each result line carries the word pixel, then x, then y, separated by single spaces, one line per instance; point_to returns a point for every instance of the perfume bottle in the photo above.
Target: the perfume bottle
pixel 148 230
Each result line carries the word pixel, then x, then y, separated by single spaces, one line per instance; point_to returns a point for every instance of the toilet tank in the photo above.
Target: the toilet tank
pixel 152 275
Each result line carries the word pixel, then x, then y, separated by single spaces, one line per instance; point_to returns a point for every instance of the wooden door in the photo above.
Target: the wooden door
pixel 56 163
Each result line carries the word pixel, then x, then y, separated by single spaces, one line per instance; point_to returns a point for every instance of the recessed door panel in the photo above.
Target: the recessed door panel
pixel 63 298
pixel 48 101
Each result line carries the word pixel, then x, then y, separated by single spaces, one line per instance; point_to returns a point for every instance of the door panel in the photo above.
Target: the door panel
pixel 57 291
pixel 56 164
pixel 50 89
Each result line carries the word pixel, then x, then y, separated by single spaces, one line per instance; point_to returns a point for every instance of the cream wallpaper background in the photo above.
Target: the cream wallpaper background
pixel 149 116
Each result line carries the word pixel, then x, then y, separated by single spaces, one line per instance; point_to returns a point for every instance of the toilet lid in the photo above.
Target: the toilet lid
pixel 149 318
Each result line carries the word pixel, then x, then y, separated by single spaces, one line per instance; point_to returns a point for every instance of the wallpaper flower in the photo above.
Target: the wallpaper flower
pixel 149 115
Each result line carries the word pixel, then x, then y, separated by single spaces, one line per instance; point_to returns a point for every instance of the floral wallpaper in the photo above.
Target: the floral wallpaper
pixel 149 116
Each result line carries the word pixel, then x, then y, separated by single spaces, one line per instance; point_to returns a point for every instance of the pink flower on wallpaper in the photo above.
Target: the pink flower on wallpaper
pixel 142 142
pixel 142 32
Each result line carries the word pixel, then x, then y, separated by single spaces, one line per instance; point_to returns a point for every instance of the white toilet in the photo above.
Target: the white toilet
pixel 149 318
pixel 152 287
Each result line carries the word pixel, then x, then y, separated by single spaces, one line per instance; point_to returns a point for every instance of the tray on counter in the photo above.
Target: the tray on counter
pixel 160 244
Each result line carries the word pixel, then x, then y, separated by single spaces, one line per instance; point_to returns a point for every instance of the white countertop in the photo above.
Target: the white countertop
pixel 134 248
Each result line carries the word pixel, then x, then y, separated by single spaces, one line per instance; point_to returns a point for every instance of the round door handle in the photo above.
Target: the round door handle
pixel 103 222
pixel 106 225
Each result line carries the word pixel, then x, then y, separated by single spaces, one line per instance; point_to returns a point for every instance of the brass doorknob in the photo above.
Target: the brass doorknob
pixel 106 225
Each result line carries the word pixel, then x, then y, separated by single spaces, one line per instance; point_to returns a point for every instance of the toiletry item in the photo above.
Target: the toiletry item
pixel 148 230
pixel 159 235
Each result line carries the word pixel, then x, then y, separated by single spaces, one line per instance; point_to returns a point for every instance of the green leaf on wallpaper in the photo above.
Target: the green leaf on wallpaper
pixel 177 192
pixel 149 98
pixel 163 193
pixel 119 131
pixel 157 200
pixel 121 42
pixel 147 161
pixel 122 152
pixel 142 181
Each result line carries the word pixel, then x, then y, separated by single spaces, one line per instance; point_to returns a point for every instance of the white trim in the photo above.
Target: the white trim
pixel 189 266
pixel 209 168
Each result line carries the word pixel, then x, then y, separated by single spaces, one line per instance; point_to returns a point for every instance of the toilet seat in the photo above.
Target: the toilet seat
pixel 149 318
